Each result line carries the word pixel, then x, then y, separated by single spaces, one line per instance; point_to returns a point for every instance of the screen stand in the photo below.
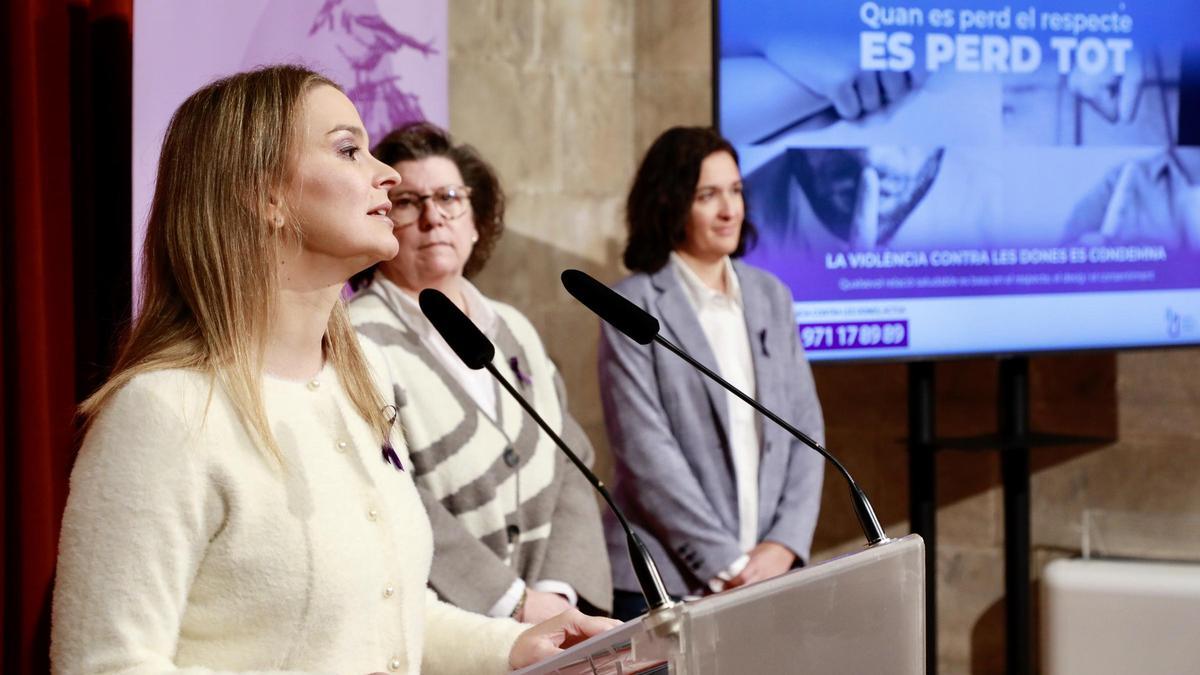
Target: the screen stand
pixel 922 490
pixel 1013 404
pixel 1014 441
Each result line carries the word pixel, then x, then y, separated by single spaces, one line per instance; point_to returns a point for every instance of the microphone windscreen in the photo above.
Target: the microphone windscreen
pixel 635 322
pixel 463 336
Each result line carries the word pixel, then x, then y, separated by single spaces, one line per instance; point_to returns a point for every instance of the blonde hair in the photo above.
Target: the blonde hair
pixel 210 255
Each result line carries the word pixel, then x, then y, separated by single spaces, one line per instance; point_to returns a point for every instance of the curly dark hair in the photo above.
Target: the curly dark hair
pixel 420 140
pixel 660 201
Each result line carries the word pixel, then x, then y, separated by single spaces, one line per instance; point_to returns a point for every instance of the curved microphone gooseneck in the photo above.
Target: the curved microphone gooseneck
pixel 641 327
pixel 476 351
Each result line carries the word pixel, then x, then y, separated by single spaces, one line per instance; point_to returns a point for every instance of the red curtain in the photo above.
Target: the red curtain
pixel 64 273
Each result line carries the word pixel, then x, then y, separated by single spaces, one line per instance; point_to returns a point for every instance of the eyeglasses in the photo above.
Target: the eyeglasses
pixel 451 202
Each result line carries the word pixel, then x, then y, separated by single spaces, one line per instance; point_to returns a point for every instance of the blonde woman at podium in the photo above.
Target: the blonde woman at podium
pixel 720 498
pixel 242 502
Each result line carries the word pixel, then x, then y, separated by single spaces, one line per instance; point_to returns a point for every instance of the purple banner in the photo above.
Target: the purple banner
pixel 861 275
pixel 390 58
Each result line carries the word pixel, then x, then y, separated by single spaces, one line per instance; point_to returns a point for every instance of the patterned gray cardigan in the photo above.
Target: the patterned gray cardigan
pixel 502 499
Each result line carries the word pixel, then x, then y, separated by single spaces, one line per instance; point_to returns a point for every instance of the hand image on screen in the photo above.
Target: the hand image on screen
pixel 833 72
pixel 1190 214
pixel 1121 212
pixel 864 226
pixel 1151 200
pixel 1114 95
pixel 864 195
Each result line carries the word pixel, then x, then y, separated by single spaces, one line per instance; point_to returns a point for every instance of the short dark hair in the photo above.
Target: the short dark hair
pixel 420 140
pixel 660 201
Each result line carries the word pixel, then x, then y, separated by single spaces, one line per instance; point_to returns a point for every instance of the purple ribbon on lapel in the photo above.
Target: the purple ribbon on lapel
pixel 522 377
pixel 390 456
pixel 387 451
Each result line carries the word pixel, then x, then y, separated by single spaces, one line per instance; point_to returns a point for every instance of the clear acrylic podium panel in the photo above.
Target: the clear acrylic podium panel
pixel 859 613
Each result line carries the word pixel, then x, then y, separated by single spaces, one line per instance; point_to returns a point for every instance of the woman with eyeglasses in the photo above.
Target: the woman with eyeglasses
pixel 516 528
pixel 241 501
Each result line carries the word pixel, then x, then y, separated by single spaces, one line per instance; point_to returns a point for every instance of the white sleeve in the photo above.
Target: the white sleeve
pixel 458 641
pixel 507 603
pixel 560 587
pixel 717 583
pixel 137 524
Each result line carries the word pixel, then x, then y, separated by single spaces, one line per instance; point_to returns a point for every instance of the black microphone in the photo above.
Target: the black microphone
pixel 638 325
pixel 641 327
pixel 476 351
pixel 463 336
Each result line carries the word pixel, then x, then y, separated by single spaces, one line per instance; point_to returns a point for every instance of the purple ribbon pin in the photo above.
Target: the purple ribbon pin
pixel 390 456
pixel 388 452
pixel 522 377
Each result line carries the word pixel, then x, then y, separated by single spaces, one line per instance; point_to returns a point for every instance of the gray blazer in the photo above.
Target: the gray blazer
pixel 668 428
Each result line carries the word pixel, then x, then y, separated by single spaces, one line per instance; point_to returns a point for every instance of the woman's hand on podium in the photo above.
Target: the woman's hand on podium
pixel 554 635
pixel 540 606
pixel 767 560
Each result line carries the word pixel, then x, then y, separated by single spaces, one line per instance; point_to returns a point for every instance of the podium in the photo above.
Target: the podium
pixel 863 612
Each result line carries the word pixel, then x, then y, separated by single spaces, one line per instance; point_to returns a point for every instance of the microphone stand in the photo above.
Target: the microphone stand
pixel 871 528
pixel 643 564
pixel 640 326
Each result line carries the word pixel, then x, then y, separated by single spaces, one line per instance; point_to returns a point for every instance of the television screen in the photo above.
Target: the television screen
pixel 936 179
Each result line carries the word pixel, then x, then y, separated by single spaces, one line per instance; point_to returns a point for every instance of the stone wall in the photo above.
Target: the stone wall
pixel 563 97
pixel 545 89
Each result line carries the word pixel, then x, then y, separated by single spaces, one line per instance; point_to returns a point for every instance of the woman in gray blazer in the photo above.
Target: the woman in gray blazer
pixel 720 496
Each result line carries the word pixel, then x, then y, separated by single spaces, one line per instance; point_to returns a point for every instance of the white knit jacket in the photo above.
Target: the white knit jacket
pixel 185 549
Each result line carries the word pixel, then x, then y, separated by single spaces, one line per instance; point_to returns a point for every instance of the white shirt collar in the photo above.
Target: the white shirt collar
pixel 699 292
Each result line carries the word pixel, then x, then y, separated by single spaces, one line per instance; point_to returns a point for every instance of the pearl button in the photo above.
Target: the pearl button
pixel 342 445
pixel 314 384
pixel 372 514
pixel 394 664
pixel 388 591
